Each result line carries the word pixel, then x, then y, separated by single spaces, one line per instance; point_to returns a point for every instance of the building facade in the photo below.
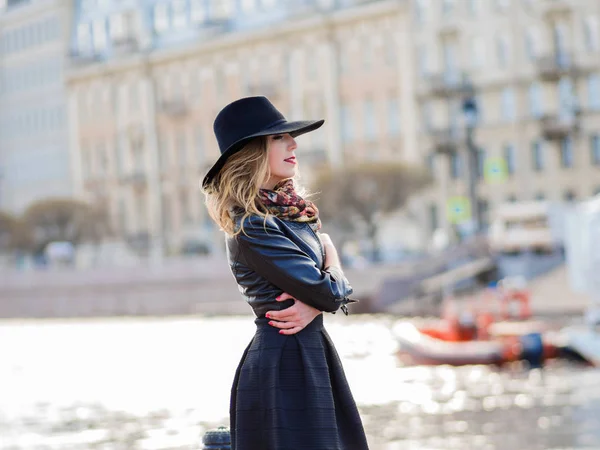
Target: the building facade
pixel 34 154
pixel 147 79
pixel 534 66
pixel 389 76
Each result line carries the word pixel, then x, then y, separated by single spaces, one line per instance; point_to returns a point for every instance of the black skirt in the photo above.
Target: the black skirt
pixel 291 393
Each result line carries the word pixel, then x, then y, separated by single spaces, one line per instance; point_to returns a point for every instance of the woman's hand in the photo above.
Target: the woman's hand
pixel 293 319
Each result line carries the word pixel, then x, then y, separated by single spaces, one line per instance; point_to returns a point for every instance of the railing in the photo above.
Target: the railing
pixel 447 84
pixel 556 65
pixel 446 141
pixel 175 107
pixel 556 127
pixel 136 178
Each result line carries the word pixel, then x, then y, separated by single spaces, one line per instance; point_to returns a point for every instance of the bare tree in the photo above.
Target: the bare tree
pixel 360 196
pixel 64 219
pixel 13 234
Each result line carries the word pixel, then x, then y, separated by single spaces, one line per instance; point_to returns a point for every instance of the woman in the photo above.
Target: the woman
pixel 289 391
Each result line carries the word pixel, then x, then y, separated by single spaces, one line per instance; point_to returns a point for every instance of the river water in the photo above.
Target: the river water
pixel 161 383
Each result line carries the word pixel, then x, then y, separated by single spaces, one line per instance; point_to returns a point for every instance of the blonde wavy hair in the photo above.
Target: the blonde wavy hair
pixel 237 185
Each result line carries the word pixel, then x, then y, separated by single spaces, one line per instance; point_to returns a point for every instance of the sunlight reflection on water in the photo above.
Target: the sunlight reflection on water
pixel 159 383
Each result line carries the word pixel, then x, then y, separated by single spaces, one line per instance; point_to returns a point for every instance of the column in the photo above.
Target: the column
pixel 330 61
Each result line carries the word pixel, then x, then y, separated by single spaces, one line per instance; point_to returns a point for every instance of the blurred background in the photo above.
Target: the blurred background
pixel 458 173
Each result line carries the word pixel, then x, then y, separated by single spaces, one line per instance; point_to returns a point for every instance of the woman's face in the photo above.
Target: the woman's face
pixel 282 159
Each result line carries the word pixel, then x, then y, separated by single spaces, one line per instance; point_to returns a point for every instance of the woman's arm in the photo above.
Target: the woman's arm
pixel 269 252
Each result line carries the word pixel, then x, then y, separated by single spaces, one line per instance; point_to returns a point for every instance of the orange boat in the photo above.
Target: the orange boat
pixel 479 337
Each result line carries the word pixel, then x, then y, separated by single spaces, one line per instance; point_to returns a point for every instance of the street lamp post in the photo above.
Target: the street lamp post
pixel 469 107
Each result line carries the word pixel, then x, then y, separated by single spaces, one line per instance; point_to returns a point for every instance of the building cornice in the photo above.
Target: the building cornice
pixel 235 39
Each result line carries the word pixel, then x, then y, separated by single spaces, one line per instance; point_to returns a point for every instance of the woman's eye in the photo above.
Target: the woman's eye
pixel 278 137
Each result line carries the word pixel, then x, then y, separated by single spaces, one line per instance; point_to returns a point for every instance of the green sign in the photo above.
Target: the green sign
pixel 495 170
pixel 459 210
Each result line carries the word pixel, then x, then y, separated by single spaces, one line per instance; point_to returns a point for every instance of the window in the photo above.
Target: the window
pixel 566 152
pixel 475 7
pixel 508 104
pixel 181 150
pixel 167 213
pixel 99 35
pixel 369 120
pixel 540 196
pixel 247 6
pixel 477 52
pixel 531 44
pixel 456 166
pixel 502 51
pixel 447 7
pixel 423 61
pixel 393 116
pixel 390 50
pixel 595 149
pixel 122 216
pixel 450 59
pixel 367 54
pixel 483 209
pixel 594 92
pixel 134 97
pixel 427 112
pixel 502 5
pixel 161 17
pixel 346 124
pixel 592 38
pixel 179 13
pixel 198 11
pixel 536 108
pixel 430 163
pixel 510 158
pixel 433 217
pixel 221 9
pixel 420 10
pixel 566 98
pixel 343 59
pixel 186 213
pixel 312 63
pixel 200 148
pixel 117 27
pixel 537 155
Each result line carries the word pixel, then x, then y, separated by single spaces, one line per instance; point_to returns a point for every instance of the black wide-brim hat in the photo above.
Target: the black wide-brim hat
pixel 245 119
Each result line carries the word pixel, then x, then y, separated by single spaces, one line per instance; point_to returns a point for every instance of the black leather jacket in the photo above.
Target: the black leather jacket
pixel 278 256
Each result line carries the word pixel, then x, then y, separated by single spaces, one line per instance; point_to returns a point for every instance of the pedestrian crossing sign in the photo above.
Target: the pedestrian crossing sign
pixel 495 170
pixel 459 210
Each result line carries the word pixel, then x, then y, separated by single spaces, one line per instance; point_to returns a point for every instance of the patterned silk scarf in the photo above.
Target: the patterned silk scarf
pixel 283 202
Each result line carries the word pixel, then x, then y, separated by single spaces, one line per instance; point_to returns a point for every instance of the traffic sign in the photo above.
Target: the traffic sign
pixel 458 210
pixel 495 170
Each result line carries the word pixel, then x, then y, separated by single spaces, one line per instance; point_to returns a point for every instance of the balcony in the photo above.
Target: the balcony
pixel 552 8
pixel 446 141
pixel 555 127
pixel 174 107
pixel 447 85
pixel 554 66
pixel 136 178
pixel 79 58
pixel 125 45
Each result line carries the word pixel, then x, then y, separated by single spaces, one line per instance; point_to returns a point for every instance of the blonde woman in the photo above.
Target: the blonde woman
pixel 289 390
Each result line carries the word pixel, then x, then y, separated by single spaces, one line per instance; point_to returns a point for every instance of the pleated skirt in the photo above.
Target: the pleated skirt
pixel 291 393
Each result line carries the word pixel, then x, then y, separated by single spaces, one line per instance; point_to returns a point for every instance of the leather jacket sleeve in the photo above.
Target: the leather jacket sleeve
pixel 264 248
